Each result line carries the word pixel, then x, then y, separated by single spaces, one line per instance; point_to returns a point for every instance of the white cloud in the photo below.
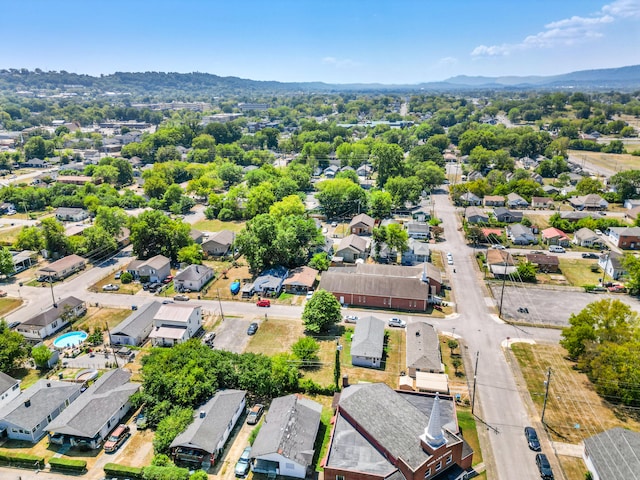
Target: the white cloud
pixel 447 61
pixel 567 31
pixel 340 62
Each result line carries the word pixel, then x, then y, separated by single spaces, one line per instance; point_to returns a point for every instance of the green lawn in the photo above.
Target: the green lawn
pixel 217 225
pixel 8 304
pixel 467 424
pixel 9 236
pixel 578 271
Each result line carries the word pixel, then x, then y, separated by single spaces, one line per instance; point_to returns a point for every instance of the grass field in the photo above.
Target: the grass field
pixel 609 161
pixel 8 236
pixel 467 424
pixel 276 336
pixel 578 271
pixel 217 225
pixel 8 304
pixel 572 467
pixel 99 317
pixel 125 289
pixel 574 410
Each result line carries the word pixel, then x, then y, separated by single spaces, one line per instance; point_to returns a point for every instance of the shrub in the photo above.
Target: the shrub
pixel 115 470
pixel 165 473
pixel 68 464
pixel 254 434
pixel 126 277
pixel 22 459
pixel 310 387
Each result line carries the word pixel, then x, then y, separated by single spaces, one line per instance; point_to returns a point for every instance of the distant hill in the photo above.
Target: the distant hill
pixel 202 85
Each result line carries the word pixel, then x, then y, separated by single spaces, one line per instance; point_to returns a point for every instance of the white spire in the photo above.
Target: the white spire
pixel 433 434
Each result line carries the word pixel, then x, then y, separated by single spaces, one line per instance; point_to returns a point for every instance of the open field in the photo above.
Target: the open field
pixel 572 467
pixel 9 304
pixel 609 161
pixel 217 225
pixel 574 410
pixel 99 317
pixel 125 289
pixel 275 336
pixel 8 236
pixel 578 271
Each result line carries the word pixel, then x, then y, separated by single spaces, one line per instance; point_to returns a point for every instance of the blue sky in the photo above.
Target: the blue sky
pixel 337 41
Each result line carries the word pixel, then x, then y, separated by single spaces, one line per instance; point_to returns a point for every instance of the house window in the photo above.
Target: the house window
pixel 449 459
pixel 427 474
pixel 289 466
pixel 438 466
pixel 339 477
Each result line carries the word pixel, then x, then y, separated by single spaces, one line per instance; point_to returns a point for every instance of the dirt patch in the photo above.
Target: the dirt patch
pixel 572 467
pixel 9 304
pixel 100 316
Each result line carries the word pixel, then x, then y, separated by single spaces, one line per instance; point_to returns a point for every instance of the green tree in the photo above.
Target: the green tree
pixel 320 261
pixel 306 349
pixel 452 344
pixel 41 355
pixel 387 159
pixel 106 173
pixel 526 271
pixel 111 219
pixel 13 348
pixel 153 233
pixel 626 183
pixel 289 205
pixel 126 278
pixel 397 238
pixel 380 203
pixel 55 240
pixel 169 428
pixel 191 254
pixel 321 312
pixel 632 265
pixel 589 185
pixel 430 174
pixel 6 262
pixel 97 242
pixel 284 374
pixel 341 197
pixel 456 363
pixel 30 238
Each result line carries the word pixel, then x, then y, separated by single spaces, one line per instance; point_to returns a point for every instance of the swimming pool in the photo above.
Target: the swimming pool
pixel 71 339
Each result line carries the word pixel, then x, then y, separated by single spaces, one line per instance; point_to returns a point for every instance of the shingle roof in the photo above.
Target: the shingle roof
pixel 223 237
pixel 193 273
pixel 175 312
pixel 368 338
pixel 542 259
pixel 353 241
pixel 157 262
pixel 44 396
pixel 206 433
pixel 63 264
pixel 138 321
pixel 615 454
pixel 585 234
pixel 364 219
pixel 423 347
pixel 6 382
pixel 302 276
pixel 289 429
pixel 45 318
pixel 91 411
pixel 553 232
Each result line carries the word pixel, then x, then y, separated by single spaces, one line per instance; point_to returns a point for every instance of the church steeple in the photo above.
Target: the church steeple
pixel 433 435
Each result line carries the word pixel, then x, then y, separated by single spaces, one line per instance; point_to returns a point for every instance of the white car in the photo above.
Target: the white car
pixel 450 261
pixel 396 322
pixel 350 319
pixel 598 232
pixel 498 247
pixel 110 287
pixel 309 294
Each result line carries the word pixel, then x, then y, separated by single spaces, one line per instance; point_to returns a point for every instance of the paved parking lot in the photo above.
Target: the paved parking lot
pixel 231 334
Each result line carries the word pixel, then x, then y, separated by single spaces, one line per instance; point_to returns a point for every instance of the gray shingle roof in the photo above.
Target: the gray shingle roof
pixel 87 415
pixel 423 347
pixel 615 454
pixel 290 429
pixel 205 433
pixel 6 382
pixel 45 318
pixel 223 237
pixel 353 241
pixel 44 396
pixel 157 262
pixel 193 273
pixel 368 338
pixel 364 219
pixel 138 321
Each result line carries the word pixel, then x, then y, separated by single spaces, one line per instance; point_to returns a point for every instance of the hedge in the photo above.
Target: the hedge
pixel 165 473
pixel 22 459
pixel 115 470
pixel 68 464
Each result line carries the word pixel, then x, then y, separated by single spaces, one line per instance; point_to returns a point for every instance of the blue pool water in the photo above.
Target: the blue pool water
pixel 71 339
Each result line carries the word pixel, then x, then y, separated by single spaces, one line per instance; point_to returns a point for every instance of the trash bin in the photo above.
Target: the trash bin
pixel 134 307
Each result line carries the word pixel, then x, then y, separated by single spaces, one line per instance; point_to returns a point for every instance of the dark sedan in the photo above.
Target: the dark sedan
pixel 253 328
pixel 532 438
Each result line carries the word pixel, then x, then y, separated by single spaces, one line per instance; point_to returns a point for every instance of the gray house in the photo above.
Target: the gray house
pixel 367 343
pixel 516 201
pixel 203 440
pixel 193 278
pixel 352 247
pixel 27 416
pixel 423 349
pixel 520 235
pixel 418 252
pixel 268 283
pixel 155 269
pixel 9 389
pixel 613 454
pixel 419 230
pixel 611 263
pixel 51 320
pixel 69 214
pixel 507 216
pixel 475 215
pixel 586 237
pixel 135 329
pixel 90 419
pixel 219 243
pixel 469 198
pixel 285 443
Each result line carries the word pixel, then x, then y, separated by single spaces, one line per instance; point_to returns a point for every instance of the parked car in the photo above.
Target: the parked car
pixel 181 298
pixel 253 328
pixel 334 224
pixel 617 289
pixel 242 467
pixel 498 247
pixel 589 255
pixel 118 275
pixel 3 293
pixel 255 413
pixel 117 438
pixel 396 322
pixel 110 287
pixel 208 337
pixel 309 294
pixel 265 302
pixel 532 438
pixel 13 325
pixel 165 302
pixel 350 319
pixel 141 421
pixel 544 467
pixel 598 232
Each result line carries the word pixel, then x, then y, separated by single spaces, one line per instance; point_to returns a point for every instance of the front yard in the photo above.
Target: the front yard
pixel 218 225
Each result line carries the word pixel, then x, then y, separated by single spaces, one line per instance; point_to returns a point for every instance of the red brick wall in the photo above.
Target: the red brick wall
pixel 379 302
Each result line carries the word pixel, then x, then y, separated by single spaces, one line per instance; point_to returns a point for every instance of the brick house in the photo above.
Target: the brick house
pixel 627 238
pixel 544 263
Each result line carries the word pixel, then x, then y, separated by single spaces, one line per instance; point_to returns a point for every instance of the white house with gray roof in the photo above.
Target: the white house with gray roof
pixel 201 443
pixel 89 420
pixel 613 454
pixel 9 389
pixel 135 329
pixel 192 278
pixel 174 324
pixel 219 243
pixel 28 416
pixel 156 269
pixel 423 349
pixel 51 320
pixel 367 343
pixel 284 445
pixel 352 247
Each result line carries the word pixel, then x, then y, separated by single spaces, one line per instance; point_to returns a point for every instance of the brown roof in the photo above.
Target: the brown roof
pixel 541 259
pixel 364 219
pixel 499 257
pixel 633 212
pixel 494 198
pixel 62 264
pixel 353 241
pixel 302 276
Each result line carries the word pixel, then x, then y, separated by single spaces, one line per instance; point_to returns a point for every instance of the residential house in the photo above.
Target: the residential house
pixel 500 263
pixel 550 189
pixel 505 215
pixel 361 224
pixel 267 284
pixel 88 421
pixel 576 216
pixel 28 415
pixel 364 170
pixel 51 320
pixel 418 230
pixel 61 269
pixel 423 349
pixel 544 263
pixel 491 235
pixel 574 178
pixel 494 201
pixel 627 238
pixel 384 286
pixel 219 244
pixel 555 236
pixel 24 259
pixel 351 248
pixel 300 280
pixel 587 238
pixel 36 163
pixel 331 171
pixel 541 202
pixel 470 199
pixel 135 329
pixel 202 442
pixel 613 454
pixel 475 215
pixel 416 438
pixel 174 324
pixel 9 389
pixel 516 201
pixel 593 201
pixel 67 214
pixel 285 443
pixel 6 208
pixel 197 236
pixel 420 214
pixel 536 177
pixel 418 252
pixel 367 342
pixel 521 235
pixel 632 214
pixel 629 203
pixel 155 269
pixel 192 278
pixel 611 264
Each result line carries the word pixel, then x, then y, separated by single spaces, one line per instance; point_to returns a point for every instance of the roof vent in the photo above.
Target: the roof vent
pixel 48 384
pixel 27 403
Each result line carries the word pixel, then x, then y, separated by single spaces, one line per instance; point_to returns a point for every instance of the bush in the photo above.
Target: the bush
pixel 68 464
pixel 22 459
pixel 115 470
pixel 310 387
pixel 254 434
pixel 165 473
pixel 126 277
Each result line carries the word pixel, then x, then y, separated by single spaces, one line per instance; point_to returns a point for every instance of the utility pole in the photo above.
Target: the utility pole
pixel 113 350
pixel 53 297
pixel 546 394
pixel 475 377
pixel 220 303
pixel 504 280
